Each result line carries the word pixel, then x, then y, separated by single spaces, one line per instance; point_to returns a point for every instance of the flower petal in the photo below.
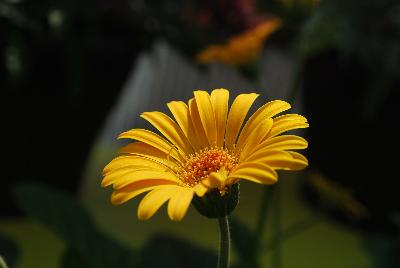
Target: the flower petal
pixel 286 123
pixel 144 174
pixel 269 109
pixel 179 203
pixel 236 116
pixel 152 139
pixel 141 148
pixel 147 151
pixel 169 129
pixel 134 189
pixel 255 137
pixel 125 161
pixel 112 177
pixel 300 161
pixel 206 113
pixel 154 200
pixel 200 189
pixel 198 127
pixel 284 142
pixel 219 100
pixel 215 179
pixel 273 158
pixel 181 113
pixel 256 172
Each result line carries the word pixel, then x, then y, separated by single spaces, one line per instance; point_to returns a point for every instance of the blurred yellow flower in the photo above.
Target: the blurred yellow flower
pixel 338 195
pixel 243 48
pixel 204 149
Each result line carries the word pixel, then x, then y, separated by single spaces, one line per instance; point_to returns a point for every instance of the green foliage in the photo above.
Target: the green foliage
pixel 167 251
pixel 67 219
pixel 245 243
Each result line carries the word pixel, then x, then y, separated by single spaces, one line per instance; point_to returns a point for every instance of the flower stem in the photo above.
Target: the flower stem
pixel 224 243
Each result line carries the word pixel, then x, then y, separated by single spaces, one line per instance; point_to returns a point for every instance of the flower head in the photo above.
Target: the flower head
pixel 205 149
pixel 242 48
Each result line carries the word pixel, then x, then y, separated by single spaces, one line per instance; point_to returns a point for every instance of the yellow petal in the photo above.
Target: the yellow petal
pixel 216 179
pixel 181 113
pixel 255 137
pixel 154 200
pixel 169 129
pixel 147 151
pixel 273 158
pixel 286 123
pixel 256 172
pixel 141 148
pixel 134 189
pixel 269 109
pixel 219 100
pixel 124 161
pixel 198 127
pixel 300 161
pixel 120 198
pixel 206 113
pixel 110 178
pixel 236 116
pixel 284 142
pixel 152 139
pixel 179 203
pixel 200 189
pixel 145 174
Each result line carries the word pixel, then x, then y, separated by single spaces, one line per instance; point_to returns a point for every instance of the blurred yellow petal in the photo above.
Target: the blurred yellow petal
pixel 219 100
pixel 169 129
pixel 206 113
pixel 179 203
pixel 236 116
pixel 154 200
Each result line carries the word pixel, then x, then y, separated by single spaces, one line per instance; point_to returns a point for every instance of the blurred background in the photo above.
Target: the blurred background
pixel 74 74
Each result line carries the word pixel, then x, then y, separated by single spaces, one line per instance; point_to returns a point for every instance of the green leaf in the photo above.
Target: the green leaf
pixel 67 219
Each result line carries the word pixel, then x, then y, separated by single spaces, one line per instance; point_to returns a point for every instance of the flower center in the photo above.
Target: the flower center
pixel 199 165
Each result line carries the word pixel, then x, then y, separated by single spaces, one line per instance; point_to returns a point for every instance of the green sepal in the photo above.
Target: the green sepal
pixel 216 205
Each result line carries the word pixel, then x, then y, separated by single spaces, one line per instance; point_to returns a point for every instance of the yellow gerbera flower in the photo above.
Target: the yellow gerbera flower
pixel 242 48
pixel 204 149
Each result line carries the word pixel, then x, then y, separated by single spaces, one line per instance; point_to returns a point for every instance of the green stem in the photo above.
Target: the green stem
pixel 224 243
